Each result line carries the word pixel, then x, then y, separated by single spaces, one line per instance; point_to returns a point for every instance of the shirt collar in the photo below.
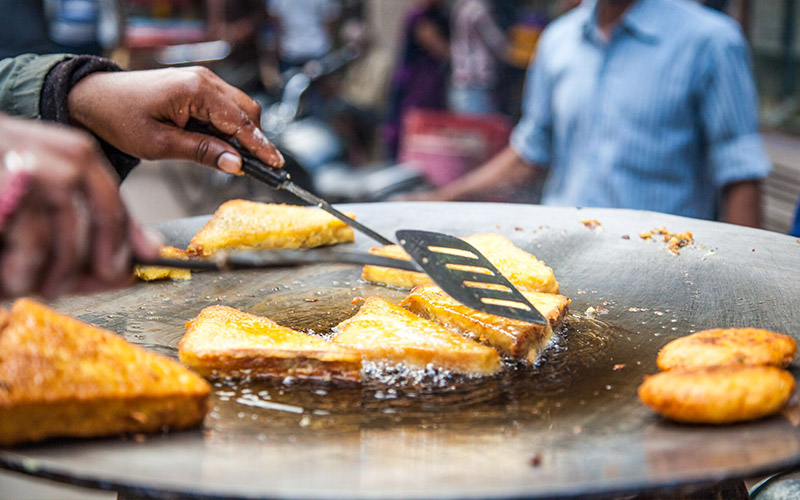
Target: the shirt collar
pixel 641 19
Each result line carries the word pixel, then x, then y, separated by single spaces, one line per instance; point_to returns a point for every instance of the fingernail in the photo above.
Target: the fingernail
pixel 277 159
pixel 229 162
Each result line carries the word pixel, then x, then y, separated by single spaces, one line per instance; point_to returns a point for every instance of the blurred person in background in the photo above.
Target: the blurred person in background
pixel 641 104
pixel 306 29
pixel 240 24
pixel 54 26
pixel 420 78
pixel 477 48
pixel 63 226
pixel 795 231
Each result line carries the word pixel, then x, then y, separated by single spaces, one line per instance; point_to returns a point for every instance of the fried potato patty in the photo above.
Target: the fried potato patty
pixel 730 346
pixel 718 395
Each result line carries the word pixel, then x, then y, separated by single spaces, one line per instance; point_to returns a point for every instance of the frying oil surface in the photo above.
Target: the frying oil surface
pixel 566 376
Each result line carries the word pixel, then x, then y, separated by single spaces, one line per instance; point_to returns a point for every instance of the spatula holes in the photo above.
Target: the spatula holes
pixel 505 303
pixel 453 251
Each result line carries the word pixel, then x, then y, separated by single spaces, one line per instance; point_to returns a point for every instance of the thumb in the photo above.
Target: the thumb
pixel 204 149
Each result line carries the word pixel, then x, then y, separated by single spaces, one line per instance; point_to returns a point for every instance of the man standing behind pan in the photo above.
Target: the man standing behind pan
pixel 643 104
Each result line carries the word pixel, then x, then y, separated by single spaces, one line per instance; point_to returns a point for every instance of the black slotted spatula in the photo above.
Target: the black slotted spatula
pixel 466 275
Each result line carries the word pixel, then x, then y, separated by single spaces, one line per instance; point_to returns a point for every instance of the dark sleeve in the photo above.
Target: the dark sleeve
pixel 53 101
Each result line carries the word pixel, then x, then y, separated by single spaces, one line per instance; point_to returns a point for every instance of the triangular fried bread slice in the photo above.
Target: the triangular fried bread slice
pixel 521 268
pixel 250 225
pixel 222 341
pixel 62 377
pixel 512 338
pixel 382 331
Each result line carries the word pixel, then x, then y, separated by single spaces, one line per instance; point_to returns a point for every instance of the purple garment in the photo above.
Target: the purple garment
pixel 420 80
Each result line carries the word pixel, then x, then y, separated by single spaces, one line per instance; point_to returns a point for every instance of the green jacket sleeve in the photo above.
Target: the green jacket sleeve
pixel 21 82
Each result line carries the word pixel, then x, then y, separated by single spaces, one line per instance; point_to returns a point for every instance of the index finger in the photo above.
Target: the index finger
pixel 228 117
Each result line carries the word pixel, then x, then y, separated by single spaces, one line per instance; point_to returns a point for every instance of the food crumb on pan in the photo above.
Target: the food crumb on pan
pixel 674 241
pixel 356 300
pixel 312 299
pixel 536 460
pixel 619 366
pixel 626 236
pixel 591 223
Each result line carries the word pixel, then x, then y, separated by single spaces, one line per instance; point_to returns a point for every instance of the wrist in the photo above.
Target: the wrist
pixel 79 101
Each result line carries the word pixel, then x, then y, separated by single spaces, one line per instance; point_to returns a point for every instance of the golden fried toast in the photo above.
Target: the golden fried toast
pixel 522 269
pixel 729 346
pixel 222 341
pixel 249 225
pixel 382 331
pixel 62 377
pixel 152 273
pixel 512 338
pixel 718 395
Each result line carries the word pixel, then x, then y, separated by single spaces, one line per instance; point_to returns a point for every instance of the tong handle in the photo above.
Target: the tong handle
pixel 251 165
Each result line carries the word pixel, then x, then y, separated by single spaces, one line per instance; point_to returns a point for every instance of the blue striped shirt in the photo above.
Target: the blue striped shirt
pixel 660 116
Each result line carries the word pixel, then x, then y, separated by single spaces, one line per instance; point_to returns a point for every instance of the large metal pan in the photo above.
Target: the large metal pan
pixel 570 427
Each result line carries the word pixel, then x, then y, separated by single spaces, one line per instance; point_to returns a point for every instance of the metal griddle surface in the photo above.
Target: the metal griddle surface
pixel 570 427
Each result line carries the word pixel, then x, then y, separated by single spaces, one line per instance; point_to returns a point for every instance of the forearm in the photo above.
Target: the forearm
pixel 505 169
pixel 741 203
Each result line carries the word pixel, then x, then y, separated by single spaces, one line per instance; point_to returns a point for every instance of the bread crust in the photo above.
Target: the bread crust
pixel 728 346
pixel 512 338
pixel 62 377
pixel 225 342
pixel 382 331
pixel 249 225
pixel 718 395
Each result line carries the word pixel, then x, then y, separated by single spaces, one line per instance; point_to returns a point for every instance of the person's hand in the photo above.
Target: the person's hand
pixel 143 113
pixel 63 226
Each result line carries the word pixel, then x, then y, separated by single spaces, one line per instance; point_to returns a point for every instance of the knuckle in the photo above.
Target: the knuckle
pixel 192 83
pixel 202 150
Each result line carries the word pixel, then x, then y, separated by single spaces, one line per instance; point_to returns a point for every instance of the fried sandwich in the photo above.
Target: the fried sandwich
pixel 249 225
pixel 62 377
pixel 512 338
pixel 226 342
pixel 152 273
pixel 521 268
pixel 382 331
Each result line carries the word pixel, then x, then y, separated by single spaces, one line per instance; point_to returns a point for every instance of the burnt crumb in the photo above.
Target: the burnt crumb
pixel 626 237
pixel 753 250
pixel 536 460
pixel 517 228
pixel 619 366
pixel 312 299
pixel 674 241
